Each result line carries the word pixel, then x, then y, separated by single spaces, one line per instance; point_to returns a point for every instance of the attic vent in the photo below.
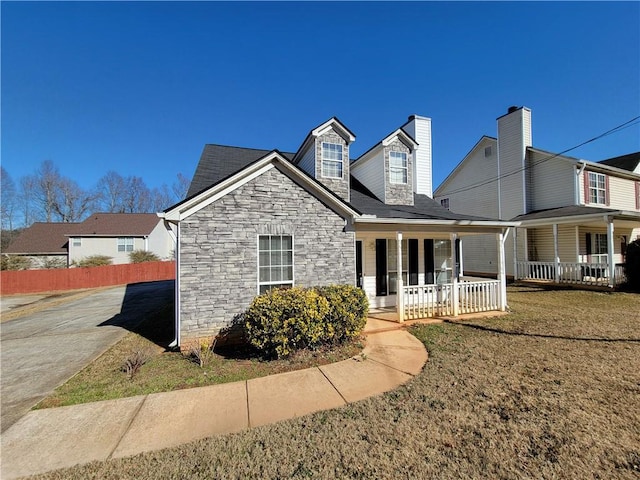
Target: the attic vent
pixel 487 151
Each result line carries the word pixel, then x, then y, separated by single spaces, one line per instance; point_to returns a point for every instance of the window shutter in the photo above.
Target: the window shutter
pixel 456 273
pixel 413 261
pixel 606 190
pixel 381 267
pixel 588 239
pixel 637 195
pixel 429 264
pixel 586 187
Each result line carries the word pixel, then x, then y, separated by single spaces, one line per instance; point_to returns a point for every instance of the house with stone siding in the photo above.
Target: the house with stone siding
pixel 260 219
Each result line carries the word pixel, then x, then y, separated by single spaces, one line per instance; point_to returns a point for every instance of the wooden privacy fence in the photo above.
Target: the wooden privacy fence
pixel 34 281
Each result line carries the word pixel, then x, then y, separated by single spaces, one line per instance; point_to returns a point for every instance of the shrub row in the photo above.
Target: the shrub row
pixel 282 321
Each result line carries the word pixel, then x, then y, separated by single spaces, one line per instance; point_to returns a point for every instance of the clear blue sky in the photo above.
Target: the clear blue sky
pixel 139 88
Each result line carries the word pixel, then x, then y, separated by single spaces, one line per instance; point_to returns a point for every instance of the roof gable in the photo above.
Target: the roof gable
pixel 484 141
pixel 332 124
pixel 273 159
pixel 629 162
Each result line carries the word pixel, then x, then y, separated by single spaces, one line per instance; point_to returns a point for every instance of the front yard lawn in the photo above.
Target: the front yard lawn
pixel 550 391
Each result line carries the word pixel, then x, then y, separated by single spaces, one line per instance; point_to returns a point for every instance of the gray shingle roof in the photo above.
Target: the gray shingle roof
pixel 570 211
pixel 218 162
pixel 627 162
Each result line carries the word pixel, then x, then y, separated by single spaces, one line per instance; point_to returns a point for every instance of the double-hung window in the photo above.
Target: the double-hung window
pixel 275 262
pixel 125 244
pixel 600 250
pixel 398 167
pixel 76 241
pixel 597 188
pixel 331 160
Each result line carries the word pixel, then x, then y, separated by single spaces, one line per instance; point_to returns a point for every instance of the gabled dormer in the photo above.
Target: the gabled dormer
pixel 324 155
pixel 387 169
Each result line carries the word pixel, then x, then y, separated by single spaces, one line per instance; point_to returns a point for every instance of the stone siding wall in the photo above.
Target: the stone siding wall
pixel 219 243
pixel 339 186
pixel 398 194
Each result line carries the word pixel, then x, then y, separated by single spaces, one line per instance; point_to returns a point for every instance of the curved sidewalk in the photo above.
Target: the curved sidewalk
pixel 49 439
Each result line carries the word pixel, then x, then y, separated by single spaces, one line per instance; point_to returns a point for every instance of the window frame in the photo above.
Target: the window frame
pixel 444 201
pixel 76 241
pixel 403 169
pixel 599 248
pixel 597 193
pixel 274 283
pixel 332 161
pixel 125 244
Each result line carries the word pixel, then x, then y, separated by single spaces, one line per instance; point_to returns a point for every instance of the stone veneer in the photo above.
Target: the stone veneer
pixel 339 186
pixel 219 243
pixel 394 193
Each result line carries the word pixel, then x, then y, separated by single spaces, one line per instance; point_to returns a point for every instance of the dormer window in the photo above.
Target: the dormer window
pixel 331 160
pixel 398 167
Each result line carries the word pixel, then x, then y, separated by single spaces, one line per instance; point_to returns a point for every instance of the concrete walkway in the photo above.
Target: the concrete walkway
pixel 45 440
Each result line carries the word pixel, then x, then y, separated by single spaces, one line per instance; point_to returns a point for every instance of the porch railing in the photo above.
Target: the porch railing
pixel 428 301
pixel 570 273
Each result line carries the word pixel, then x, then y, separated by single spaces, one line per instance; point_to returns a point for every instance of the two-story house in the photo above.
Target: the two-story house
pixel 576 216
pixel 259 219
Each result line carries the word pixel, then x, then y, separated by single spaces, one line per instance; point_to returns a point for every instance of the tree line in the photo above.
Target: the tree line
pixel 48 196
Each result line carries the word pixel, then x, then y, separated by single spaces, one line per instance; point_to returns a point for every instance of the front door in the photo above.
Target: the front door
pixel 359 278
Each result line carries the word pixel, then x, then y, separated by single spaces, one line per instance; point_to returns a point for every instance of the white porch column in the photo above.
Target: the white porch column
pixel 612 267
pixel 515 253
pixel 455 294
pixel 502 278
pixel 400 294
pixel 556 257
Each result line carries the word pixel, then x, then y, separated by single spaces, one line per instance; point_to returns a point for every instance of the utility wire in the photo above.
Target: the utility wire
pixel 622 126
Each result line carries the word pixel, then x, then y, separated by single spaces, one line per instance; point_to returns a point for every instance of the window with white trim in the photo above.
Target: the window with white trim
pixel 398 171
pixel 125 244
pixel 599 249
pixel 597 188
pixel 331 160
pixel 445 203
pixel 275 262
pixel 392 264
pixel 76 241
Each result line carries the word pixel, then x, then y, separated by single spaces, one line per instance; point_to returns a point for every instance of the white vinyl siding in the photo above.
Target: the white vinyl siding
pixel 514 135
pixel 398 167
pixel 420 130
pixel 370 172
pixel 551 182
pixel 308 162
pixel 332 166
pixel 622 193
pixel 541 248
pixel 275 262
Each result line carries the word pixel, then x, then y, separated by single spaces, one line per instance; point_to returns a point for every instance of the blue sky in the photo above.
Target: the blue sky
pixel 139 88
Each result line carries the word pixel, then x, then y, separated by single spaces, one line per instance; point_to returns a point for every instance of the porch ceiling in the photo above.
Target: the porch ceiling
pixel 461 230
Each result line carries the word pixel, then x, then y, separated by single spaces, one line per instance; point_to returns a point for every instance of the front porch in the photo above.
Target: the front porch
pixel 589 274
pixel 417 273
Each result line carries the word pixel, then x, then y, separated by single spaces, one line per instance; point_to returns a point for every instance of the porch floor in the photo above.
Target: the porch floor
pixel 386 318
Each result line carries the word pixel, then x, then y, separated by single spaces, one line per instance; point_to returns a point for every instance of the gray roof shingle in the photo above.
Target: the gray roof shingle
pixel 627 162
pixel 42 238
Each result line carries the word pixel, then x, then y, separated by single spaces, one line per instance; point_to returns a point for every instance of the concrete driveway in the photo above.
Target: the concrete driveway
pixel 42 350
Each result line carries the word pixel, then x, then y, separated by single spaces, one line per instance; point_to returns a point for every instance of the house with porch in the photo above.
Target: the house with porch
pixel 576 216
pixel 260 219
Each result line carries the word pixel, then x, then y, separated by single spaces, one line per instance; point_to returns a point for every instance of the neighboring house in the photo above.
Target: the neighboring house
pixel 259 219
pixel 44 244
pixel 576 216
pixel 114 235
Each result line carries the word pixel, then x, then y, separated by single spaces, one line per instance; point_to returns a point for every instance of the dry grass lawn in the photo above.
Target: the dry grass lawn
pixel 551 391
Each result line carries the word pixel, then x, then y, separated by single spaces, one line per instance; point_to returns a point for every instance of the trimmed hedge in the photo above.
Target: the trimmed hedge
pixel 632 266
pixel 282 321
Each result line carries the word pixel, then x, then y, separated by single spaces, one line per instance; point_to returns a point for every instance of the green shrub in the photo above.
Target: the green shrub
pixel 93 261
pixel 53 263
pixel 348 310
pixel 15 262
pixel 140 256
pixel 632 265
pixel 282 321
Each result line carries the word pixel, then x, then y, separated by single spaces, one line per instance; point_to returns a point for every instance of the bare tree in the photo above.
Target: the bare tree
pixel 47 181
pixel 26 200
pixel 137 197
pixel 8 199
pixel 112 188
pixel 161 198
pixel 180 187
pixel 72 203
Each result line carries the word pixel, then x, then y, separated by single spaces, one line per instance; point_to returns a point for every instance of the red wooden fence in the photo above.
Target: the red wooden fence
pixel 34 281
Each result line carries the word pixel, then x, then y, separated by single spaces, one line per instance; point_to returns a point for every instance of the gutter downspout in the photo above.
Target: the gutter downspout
pixel 579 171
pixel 175 236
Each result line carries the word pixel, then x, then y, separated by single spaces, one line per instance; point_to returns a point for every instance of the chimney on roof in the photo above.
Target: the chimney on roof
pixel 420 130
